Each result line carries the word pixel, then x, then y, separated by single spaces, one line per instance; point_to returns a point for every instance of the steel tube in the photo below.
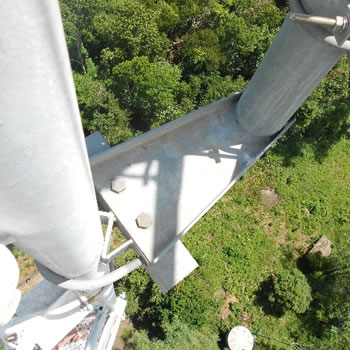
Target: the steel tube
pixel 108 234
pixel 48 206
pixel 103 281
pixel 117 251
pixel 293 66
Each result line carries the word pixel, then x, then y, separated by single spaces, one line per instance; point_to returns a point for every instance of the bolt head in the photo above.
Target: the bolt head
pixel 144 220
pixel 118 185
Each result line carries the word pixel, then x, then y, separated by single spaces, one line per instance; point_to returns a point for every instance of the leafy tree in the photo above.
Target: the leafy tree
pixel 216 87
pixel 324 118
pixel 244 45
pixel 325 97
pixel 80 35
pixel 152 91
pixel 179 336
pixel 330 281
pixel 127 29
pixel 100 110
pixel 167 14
pixel 291 291
pixel 192 15
pixel 201 51
pixel 246 32
pixel 73 36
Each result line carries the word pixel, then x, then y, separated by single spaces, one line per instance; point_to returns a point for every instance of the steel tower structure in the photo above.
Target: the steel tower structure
pixel 147 186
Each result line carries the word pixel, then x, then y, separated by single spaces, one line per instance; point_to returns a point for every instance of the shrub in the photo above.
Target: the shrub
pixel 179 336
pixel 291 291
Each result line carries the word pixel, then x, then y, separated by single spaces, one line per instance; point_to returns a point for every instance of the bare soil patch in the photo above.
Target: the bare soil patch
pixel 121 342
pixel 269 197
pixel 226 308
pixel 26 284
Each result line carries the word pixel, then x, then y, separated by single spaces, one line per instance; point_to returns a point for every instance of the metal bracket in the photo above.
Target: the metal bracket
pixel 339 25
pixel 175 173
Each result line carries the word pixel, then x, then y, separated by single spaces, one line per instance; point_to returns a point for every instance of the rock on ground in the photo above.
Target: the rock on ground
pixel 323 245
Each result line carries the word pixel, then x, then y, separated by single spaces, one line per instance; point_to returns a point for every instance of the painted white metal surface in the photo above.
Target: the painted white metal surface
pixel 95 143
pixel 47 326
pixel 39 298
pixel 110 330
pixel 176 264
pixel 97 331
pixel 175 173
pixel 48 206
pixel 9 294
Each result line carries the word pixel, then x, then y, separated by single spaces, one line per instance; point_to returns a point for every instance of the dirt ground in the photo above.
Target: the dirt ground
pixel 126 326
pixel 26 284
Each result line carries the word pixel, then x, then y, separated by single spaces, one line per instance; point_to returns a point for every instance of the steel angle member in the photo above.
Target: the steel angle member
pixel 162 271
pixel 172 267
pixel 175 174
pixel 106 325
pixel 95 143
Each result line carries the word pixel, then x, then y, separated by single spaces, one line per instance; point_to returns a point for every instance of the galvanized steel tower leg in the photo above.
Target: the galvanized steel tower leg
pixel 48 205
pixel 294 65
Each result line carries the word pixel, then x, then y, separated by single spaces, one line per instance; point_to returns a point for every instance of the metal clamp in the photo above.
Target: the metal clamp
pixel 94 284
pixel 339 25
pixel 90 284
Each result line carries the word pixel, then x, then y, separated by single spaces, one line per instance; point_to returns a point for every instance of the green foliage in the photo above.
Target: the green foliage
pixel 168 16
pixel 78 25
pixel 127 28
pixel 244 44
pixel 201 51
pixel 330 281
pixel 216 87
pixel 152 91
pixel 327 107
pixel 192 15
pixel 179 336
pixel 100 110
pixel 291 291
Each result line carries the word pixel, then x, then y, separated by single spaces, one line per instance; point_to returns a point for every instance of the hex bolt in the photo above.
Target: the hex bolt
pixel 118 185
pixel 144 220
pixel 338 24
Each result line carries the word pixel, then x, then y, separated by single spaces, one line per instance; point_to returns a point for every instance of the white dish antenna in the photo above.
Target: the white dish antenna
pixel 240 338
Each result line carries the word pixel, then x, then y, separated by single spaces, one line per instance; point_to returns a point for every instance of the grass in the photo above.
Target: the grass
pixel 25 263
pixel 241 242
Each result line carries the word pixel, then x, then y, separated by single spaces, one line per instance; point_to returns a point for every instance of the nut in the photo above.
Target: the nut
pixel 118 185
pixel 144 220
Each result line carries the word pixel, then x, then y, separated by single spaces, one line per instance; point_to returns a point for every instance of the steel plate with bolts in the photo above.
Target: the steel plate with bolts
pixel 175 173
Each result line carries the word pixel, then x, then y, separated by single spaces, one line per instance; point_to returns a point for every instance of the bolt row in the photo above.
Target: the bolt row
pixel 144 220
